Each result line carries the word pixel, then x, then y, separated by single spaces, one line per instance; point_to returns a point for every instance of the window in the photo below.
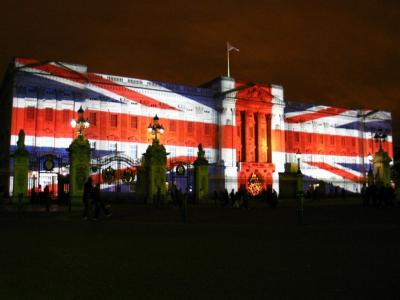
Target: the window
pixel 112 146
pixel 343 141
pixel 190 152
pixel 30 113
pixel 114 120
pixel 134 151
pixel 207 129
pixel 208 155
pixel 309 138
pixel 66 118
pixel 93 119
pixel 321 139
pixel 190 127
pixel 49 114
pixel 332 140
pixel 134 122
pixel 172 125
pixel 296 137
pixel 92 145
pixel 172 152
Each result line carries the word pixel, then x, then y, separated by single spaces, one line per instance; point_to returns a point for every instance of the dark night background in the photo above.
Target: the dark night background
pixel 344 53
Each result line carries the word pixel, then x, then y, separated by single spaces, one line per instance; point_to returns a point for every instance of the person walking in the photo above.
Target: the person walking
pixel 87 194
pixel 99 203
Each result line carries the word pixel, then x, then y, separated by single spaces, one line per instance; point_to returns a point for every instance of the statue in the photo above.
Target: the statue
pixel 200 175
pixel 21 167
pixel 201 160
pixel 21 140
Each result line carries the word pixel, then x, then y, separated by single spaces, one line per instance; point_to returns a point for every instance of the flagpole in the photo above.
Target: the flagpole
pixel 227 53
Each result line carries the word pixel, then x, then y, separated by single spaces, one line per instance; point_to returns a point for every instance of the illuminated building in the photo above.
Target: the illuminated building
pixel 247 130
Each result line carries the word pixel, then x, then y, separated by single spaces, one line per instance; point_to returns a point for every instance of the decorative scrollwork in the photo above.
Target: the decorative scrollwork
pixel 128 176
pixel 108 175
pixel 254 186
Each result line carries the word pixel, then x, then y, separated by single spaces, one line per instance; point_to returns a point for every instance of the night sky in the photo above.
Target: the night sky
pixel 344 53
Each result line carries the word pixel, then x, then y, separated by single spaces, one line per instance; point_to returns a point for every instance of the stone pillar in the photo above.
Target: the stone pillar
pixel 21 166
pixel 79 156
pixel 250 136
pixel 155 170
pixel 381 168
pixel 200 175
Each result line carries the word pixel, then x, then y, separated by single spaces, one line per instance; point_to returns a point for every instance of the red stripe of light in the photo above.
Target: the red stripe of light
pixel 59 128
pixel 343 145
pixel 323 113
pixel 122 91
pixel 96 80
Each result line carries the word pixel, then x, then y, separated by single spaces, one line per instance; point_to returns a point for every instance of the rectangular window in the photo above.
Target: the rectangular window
pixel 134 122
pixel 309 138
pixel 190 127
pixel 114 120
pixel 172 125
pixel 321 139
pixel 66 118
pixel 112 146
pixel 134 151
pixel 93 119
pixel 208 155
pixel 207 129
pixel 296 137
pixel 172 152
pixel 353 142
pixel 48 114
pixel 332 140
pixel 343 141
pixel 30 113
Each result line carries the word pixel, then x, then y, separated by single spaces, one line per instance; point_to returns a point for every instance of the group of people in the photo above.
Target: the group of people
pixel 377 196
pixel 91 195
pixel 240 198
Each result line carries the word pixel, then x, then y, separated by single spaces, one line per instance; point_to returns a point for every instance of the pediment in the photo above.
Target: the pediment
pixel 256 93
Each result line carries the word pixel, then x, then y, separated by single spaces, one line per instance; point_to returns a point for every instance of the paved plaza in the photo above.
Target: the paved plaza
pixel 341 251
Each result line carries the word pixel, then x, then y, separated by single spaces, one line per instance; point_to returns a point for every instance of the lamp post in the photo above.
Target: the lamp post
pixel 81 123
pixel 299 192
pixel 298 156
pixel 370 158
pixel 155 128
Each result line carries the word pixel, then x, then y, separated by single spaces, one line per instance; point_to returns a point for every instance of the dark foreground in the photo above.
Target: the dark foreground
pixel 340 252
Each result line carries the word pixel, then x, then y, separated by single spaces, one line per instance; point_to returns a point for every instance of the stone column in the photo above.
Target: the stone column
pixel 79 155
pixel 155 170
pixel 201 175
pixel 21 166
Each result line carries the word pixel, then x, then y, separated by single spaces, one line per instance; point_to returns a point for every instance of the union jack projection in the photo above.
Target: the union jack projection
pixel 247 130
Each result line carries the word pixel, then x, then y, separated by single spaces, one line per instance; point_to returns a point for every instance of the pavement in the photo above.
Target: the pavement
pixel 340 251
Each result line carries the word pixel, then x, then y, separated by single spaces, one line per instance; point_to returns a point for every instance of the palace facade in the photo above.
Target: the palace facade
pixel 248 131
